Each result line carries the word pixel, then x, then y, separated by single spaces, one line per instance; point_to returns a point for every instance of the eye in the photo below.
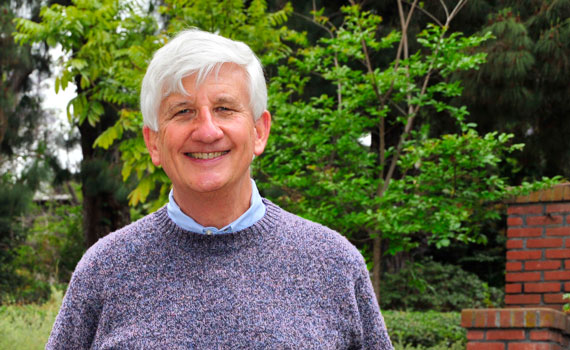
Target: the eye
pixel 182 111
pixel 223 109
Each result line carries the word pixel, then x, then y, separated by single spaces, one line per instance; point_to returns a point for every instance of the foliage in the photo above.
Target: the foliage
pixel 425 330
pixel 523 88
pixel 15 199
pixel 407 187
pixel 28 326
pixel 55 243
pixel 430 285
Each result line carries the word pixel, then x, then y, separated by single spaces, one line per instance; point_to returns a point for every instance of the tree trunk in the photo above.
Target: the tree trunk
pixel 104 208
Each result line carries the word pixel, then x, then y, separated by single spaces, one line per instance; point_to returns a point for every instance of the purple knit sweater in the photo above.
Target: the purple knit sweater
pixel 283 283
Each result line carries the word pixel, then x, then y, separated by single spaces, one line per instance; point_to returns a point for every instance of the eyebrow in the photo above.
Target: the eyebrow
pixel 177 105
pixel 225 99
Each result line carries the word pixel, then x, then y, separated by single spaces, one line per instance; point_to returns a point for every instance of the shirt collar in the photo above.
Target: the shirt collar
pixel 251 216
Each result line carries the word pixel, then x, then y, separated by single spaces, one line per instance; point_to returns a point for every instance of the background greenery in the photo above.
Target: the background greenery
pixel 447 93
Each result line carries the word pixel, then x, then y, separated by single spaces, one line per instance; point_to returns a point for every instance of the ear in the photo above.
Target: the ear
pixel 262 127
pixel 151 141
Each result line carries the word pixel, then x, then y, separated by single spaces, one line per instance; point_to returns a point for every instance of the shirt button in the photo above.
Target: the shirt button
pixel 208 232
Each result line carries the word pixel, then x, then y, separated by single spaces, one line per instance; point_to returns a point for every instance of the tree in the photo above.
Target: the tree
pixel 106 44
pixel 408 187
pixel 27 156
pixel 524 86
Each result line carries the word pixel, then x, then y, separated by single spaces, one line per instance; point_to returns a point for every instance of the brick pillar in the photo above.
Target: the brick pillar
pixel 537 276
pixel 538 249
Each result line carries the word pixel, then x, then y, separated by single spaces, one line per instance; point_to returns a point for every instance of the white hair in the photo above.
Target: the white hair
pixel 197 52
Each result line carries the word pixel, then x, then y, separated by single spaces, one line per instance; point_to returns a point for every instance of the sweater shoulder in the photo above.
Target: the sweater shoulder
pixel 118 243
pixel 317 239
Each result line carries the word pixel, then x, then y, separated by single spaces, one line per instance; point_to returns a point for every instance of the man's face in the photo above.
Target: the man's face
pixel 207 139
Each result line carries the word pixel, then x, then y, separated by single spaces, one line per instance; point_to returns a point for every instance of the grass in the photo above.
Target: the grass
pixel 27 327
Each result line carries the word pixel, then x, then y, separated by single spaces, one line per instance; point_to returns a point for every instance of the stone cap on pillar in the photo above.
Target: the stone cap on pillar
pixel 516 318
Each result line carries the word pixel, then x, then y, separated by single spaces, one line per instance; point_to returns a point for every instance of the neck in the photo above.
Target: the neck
pixel 218 208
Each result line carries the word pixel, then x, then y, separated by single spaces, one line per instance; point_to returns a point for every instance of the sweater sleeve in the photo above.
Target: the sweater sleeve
pixel 78 317
pixel 374 332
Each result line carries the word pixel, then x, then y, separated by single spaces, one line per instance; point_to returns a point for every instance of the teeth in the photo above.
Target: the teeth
pixel 209 155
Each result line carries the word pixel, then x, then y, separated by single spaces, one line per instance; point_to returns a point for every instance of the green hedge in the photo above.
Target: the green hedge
pixel 430 285
pixel 425 330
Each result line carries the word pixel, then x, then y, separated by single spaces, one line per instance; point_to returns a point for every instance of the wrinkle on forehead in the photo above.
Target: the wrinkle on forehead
pixel 200 76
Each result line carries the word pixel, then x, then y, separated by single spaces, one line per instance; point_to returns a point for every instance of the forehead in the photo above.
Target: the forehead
pixel 228 80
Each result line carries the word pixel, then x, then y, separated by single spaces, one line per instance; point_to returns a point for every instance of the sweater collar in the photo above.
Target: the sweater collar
pixel 251 216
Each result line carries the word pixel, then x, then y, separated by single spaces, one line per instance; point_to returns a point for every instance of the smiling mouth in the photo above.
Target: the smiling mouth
pixel 206 155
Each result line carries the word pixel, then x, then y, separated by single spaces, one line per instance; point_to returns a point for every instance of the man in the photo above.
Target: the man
pixel 219 267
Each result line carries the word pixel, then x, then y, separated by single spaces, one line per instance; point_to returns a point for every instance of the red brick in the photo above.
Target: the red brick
pixel 525 209
pixel 518 318
pixel 567 287
pixel 513 288
pixel 524 232
pixel 475 335
pixel 480 319
pixel 514 221
pixel 492 320
pixel 467 318
pixel 557 275
pixel 544 335
pixel 505 321
pixel 514 266
pixel 521 299
pixel 544 243
pixel 524 255
pixel 558 231
pixel 485 346
pixel 544 220
pixel 554 298
pixel 542 287
pixel 515 243
pixel 531 346
pixel 542 265
pixel 558 208
pixel 505 334
pixel 567 264
pixel 523 276
pixel 551 319
pixel 557 253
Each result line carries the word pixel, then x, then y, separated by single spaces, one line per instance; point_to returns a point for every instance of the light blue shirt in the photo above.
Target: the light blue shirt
pixel 251 216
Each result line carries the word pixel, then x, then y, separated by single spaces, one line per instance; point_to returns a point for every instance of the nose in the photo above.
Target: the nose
pixel 206 130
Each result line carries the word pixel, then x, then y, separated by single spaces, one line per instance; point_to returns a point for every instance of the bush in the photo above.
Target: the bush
pixel 52 248
pixel 433 286
pixel 425 330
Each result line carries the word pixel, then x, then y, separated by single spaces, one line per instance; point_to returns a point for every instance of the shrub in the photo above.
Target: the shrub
pixel 433 286
pixel 28 326
pixel 425 330
pixel 52 248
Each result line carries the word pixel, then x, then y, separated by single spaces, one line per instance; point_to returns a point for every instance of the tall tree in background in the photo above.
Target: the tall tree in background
pixel 26 144
pixel 103 43
pixel 523 88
